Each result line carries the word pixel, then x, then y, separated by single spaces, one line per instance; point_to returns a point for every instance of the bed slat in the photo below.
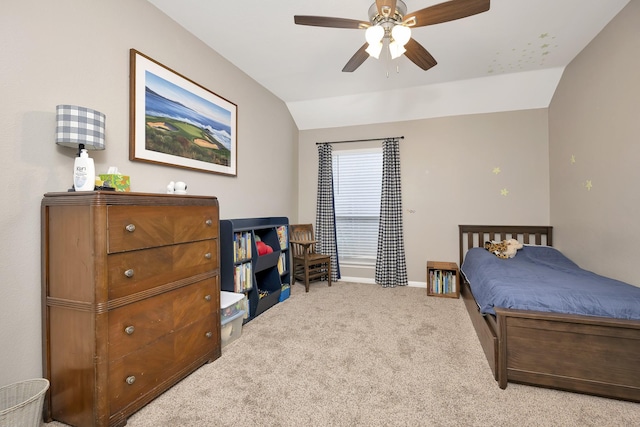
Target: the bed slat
pixel 476 235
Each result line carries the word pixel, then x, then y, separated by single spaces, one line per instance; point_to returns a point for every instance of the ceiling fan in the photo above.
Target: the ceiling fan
pixel 389 23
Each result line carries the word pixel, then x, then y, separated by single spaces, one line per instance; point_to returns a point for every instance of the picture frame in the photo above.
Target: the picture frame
pixel 177 122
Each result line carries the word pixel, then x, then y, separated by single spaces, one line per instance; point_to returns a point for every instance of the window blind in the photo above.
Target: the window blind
pixel 357 180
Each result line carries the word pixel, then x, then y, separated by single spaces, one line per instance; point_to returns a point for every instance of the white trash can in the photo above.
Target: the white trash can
pixel 21 403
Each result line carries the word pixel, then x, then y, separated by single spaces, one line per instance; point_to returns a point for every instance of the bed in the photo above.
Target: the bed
pixel 590 354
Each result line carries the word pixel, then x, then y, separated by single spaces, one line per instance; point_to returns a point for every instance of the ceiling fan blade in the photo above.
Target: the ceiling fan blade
pixel 419 55
pixel 447 11
pixel 357 59
pixel 324 21
pixel 386 7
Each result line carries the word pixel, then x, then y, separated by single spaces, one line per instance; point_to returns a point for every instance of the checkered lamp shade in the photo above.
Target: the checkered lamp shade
pixel 80 125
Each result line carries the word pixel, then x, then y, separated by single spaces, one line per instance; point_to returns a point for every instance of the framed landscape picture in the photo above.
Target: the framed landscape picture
pixel 176 122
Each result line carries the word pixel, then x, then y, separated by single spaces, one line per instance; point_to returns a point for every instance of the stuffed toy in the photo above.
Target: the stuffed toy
pixel 512 247
pixel 504 249
pixel 263 248
pixel 496 248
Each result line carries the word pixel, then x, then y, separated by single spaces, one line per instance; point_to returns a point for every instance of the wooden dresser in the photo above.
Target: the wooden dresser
pixel 130 299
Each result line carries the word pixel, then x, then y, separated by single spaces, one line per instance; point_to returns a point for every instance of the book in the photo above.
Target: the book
pixel 282 262
pixel 241 246
pixel 442 282
pixel 243 278
pixel 282 236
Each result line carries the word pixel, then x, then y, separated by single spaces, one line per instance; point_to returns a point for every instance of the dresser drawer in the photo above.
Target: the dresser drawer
pixel 134 326
pixel 136 271
pixel 139 227
pixel 138 373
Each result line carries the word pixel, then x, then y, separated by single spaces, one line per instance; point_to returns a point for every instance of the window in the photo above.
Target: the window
pixel 357 182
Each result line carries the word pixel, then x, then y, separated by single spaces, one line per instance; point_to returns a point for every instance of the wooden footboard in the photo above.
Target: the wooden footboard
pixel 584 354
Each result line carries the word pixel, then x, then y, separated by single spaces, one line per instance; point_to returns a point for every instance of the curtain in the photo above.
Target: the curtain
pixel 325 213
pixel 391 265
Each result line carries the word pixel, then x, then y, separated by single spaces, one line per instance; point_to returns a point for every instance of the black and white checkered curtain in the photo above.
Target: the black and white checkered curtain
pixel 391 265
pixel 325 211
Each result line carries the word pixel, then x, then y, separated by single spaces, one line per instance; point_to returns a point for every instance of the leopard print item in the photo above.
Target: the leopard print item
pixel 499 249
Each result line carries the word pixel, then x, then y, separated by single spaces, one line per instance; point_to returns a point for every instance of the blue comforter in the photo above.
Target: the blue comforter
pixel 541 278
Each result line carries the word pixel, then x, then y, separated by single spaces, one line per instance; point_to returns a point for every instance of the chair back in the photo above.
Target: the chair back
pixel 301 232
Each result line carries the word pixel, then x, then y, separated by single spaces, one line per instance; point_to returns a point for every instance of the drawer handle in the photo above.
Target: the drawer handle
pixel 208 334
pixel 130 228
pixel 129 273
pixel 129 330
pixel 208 222
pixel 207 298
pixel 131 379
pixel 207 255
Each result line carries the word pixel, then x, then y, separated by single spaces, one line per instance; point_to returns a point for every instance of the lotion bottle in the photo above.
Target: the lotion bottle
pixel 84 172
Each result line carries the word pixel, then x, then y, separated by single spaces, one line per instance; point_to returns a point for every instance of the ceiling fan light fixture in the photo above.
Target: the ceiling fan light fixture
pixel 401 34
pixel 396 49
pixel 374 49
pixel 390 25
pixel 374 34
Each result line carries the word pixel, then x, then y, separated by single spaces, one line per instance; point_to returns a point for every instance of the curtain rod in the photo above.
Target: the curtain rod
pixel 361 140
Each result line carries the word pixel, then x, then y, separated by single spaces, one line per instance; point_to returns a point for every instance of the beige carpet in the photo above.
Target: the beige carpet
pixel 362 355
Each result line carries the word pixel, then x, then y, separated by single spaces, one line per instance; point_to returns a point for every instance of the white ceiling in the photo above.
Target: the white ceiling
pixel 508 58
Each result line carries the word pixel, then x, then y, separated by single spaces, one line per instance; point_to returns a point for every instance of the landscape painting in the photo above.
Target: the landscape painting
pixel 179 123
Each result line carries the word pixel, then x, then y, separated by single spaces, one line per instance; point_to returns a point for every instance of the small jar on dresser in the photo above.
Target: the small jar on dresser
pixel 130 299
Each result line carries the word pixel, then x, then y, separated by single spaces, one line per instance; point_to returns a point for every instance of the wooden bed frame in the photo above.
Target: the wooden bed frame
pixel 584 354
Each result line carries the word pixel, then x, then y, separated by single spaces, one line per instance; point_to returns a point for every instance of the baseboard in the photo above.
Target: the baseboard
pixel 372 281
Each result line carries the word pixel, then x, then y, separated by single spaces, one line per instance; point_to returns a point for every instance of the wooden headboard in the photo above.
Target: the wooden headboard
pixel 473 236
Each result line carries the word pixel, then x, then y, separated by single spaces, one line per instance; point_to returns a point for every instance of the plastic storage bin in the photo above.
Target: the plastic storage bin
pixel 284 293
pixel 231 303
pixel 21 403
pixel 231 328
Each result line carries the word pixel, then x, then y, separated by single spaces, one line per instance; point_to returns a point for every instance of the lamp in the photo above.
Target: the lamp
pixel 83 128
pixel 401 34
pixel 388 24
pixel 396 49
pixel 79 127
pixel 374 35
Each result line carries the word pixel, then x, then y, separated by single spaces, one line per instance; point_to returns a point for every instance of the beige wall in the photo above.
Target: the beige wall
pixel 447 177
pixel 595 118
pixel 50 55
pixel 77 52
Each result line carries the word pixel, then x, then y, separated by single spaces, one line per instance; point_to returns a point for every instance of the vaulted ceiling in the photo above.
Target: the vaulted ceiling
pixel 508 58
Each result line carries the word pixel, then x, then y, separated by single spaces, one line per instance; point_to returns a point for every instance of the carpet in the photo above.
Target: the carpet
pixel 361 355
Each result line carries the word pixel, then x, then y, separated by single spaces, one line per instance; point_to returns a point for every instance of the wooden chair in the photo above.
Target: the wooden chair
pixel 308 265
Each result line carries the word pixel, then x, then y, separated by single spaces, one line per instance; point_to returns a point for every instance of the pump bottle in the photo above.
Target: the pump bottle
pixel 84 172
